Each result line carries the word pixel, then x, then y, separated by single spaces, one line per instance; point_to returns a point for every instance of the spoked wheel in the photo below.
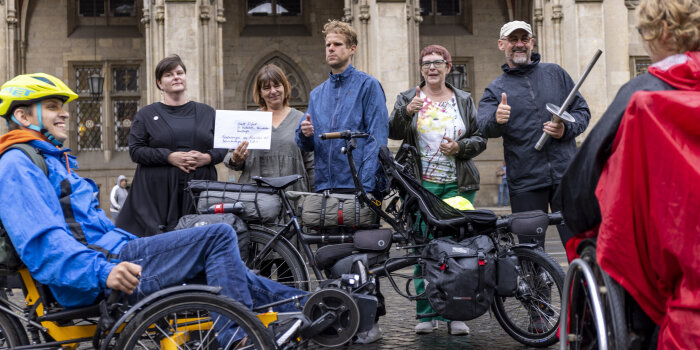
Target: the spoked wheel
pixel 532 316
pixel 9 333
pixel 582 332
pixel 195 320
pixel 347 316
pixel 282 263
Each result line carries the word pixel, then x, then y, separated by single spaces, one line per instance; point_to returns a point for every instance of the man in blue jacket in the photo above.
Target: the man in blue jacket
pixel 69 244
pixel 514 107
pixel 348 100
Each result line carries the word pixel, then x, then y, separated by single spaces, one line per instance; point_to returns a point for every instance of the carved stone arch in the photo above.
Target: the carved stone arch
pixel 298 81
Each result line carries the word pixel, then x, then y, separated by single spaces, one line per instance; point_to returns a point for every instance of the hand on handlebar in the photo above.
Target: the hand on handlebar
pixel 345 135
pixel 124 277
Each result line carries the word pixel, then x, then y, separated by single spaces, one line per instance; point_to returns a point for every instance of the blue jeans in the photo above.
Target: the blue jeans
pixel 503 194
pixel 176 257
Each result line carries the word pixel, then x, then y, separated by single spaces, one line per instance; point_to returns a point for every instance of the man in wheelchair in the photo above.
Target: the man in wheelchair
pixel 633 184
pixel 68 244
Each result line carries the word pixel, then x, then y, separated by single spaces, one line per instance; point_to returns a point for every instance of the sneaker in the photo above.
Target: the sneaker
pixel 370 336
pixel 426 327
pixel 458 328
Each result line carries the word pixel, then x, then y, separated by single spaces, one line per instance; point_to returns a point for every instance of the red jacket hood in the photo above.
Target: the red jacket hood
pixel 680 71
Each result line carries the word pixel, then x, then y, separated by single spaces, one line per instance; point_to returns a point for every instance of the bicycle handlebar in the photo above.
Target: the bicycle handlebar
pixel 345 134
pixel 554 219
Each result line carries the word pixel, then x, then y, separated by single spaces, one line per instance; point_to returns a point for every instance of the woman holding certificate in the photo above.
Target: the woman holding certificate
pixel 172 143
pixel 271 93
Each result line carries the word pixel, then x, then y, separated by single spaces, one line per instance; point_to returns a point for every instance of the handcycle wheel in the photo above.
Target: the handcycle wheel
pixel 531 316
pixel 581 328
pixel 194 320
pixel 9 336
pixel 282 263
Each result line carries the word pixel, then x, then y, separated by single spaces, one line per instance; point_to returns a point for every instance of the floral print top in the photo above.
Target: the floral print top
pixel 435 121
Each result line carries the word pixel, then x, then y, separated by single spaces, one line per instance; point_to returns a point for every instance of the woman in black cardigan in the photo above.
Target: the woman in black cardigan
pixel 172 143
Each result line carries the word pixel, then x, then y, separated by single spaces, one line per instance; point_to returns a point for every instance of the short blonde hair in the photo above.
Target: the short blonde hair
pixel 682 17
pixel 270 74
pixel 337 27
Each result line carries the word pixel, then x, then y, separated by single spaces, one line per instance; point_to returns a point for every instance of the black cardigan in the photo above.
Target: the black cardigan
pixel 157 199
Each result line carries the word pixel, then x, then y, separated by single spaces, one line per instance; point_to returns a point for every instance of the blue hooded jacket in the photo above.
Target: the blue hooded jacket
pixel 355 101
pixel 43 215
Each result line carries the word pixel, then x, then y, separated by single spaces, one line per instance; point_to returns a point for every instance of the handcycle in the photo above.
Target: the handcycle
pixel 596 311
pixel 189 316
pixel 539 280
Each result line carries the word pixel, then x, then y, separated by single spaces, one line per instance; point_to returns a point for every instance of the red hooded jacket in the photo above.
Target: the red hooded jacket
pixel 649 197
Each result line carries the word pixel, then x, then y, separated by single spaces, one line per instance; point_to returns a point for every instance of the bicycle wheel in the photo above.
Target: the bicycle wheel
pixel 582 316
pixel 195 320
pixel 282 263
pixel 9 332
pixel 532 316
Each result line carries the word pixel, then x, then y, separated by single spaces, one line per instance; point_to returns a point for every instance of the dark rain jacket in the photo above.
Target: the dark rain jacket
pixel 402 126
pixel 529 89
pixel 577 191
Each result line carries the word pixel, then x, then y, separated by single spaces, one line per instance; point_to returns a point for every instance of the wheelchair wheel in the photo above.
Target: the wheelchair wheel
pixel 531 316
pixel 195 321
pixel 9 336
pixel 282 264
pixel 582 333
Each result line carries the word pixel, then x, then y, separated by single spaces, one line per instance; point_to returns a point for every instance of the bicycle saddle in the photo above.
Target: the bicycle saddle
pixel 277 182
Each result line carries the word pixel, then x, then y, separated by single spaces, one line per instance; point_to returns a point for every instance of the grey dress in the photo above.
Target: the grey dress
pixel 284 157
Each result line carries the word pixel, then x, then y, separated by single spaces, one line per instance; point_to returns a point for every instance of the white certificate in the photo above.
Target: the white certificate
pixel 234 127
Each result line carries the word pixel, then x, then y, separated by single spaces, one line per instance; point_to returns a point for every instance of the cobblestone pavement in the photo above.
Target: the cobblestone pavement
pixel 486 333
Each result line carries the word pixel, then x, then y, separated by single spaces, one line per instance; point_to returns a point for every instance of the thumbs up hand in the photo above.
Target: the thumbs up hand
pixel 416 103
pixel 306 127
pixel 503 111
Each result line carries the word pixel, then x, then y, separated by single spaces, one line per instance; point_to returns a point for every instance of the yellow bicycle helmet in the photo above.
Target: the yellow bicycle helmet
pixel 27 89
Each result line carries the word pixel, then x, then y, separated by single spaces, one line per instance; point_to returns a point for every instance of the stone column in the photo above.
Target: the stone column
pixel 185 28
pixel 539 29
pixel 11 40
pixel 148 36
pixel 220 20
pixel 414 20
pixel 557 15
pixel 204 64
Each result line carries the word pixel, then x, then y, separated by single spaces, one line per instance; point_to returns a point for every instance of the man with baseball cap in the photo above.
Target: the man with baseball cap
pixel 514 107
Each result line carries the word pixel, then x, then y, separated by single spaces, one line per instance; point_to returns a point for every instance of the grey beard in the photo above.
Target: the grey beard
pixel 519 61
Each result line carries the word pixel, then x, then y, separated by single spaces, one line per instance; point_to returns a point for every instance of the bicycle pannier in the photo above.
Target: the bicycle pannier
pixel 319 210
pixel 530 226
pixel 460 276
pixel 259 207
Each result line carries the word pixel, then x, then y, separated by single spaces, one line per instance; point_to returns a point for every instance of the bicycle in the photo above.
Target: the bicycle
pixel 340 253
pixel 187 316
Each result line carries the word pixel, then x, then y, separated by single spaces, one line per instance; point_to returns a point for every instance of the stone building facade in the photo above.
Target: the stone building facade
pixel 224 42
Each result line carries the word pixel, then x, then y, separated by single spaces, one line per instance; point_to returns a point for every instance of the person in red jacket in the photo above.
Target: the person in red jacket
pixel 633 183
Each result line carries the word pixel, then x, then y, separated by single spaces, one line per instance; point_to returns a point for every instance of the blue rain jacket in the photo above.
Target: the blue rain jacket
pixel 32 208
pixel 355 101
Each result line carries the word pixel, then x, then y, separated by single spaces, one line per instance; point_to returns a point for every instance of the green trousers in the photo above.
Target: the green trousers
pixel 443 191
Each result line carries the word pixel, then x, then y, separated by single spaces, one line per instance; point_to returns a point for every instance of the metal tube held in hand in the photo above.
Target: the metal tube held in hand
pixel 560 112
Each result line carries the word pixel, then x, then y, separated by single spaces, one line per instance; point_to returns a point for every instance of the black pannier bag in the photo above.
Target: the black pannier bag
pixel 530 226
pixel 460 276
pixel 261 204
pixel 196 220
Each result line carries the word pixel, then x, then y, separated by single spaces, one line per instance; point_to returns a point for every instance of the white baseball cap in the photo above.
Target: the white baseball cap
pixel 514 25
